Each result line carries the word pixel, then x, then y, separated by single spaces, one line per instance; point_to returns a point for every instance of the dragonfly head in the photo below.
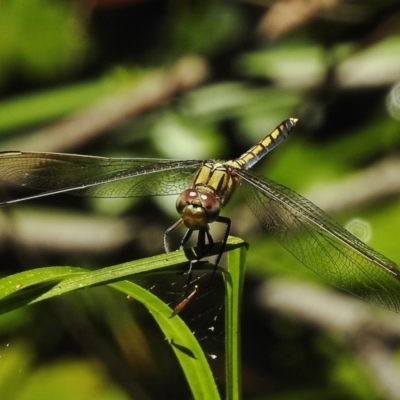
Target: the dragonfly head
pixel 197 209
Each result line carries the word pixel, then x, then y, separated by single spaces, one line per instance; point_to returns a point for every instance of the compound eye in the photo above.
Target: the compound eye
pixel 210 205
pixel 186 198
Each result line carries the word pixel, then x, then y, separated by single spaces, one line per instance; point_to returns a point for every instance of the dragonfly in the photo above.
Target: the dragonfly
pixel 203 188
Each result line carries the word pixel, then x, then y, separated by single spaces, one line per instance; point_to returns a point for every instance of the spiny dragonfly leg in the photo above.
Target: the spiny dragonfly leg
pixel 205 243
pixel 176 225
pixel 202 250
pixel 227 222
pixel 203 247
pixel 201 243
pixel 185 238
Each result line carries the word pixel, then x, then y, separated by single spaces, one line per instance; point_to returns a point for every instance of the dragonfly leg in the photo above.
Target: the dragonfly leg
pixel 227 222
pixel 176 225
pixel 185 238
pixel 202 251
pixel 201 243
pixel 204 238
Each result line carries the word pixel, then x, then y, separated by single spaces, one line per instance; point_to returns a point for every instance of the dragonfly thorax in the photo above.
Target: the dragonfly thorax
pixel 218 179
pixel 197 208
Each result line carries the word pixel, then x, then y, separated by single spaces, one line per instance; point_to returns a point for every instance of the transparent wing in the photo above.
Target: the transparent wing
pixel 96 176
pixel 320 243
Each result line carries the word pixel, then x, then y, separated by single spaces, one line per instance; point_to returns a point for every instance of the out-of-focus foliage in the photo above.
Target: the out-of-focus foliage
pixel 63 66
pixel 40 40
pixel 21 379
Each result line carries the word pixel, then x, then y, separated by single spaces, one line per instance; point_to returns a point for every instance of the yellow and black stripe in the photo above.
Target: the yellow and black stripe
pixel 259 150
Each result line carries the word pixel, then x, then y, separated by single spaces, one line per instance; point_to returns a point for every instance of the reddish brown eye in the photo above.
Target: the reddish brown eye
pixel 196 208
pixel 210 205
pixel 185 198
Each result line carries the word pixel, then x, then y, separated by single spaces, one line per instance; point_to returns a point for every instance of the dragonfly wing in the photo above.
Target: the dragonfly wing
pixel 96 176
pixel 320 243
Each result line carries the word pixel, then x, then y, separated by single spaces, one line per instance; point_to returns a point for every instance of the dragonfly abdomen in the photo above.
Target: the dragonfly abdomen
pixel 263 147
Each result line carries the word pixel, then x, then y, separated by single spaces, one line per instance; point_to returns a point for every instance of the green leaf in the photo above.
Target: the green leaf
pixel 233 297
pixel 39 284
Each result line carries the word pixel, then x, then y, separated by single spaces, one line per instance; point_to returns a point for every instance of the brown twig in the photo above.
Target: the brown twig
pixel 89 123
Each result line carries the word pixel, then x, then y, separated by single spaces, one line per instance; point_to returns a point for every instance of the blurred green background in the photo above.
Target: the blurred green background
pixel 201 80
